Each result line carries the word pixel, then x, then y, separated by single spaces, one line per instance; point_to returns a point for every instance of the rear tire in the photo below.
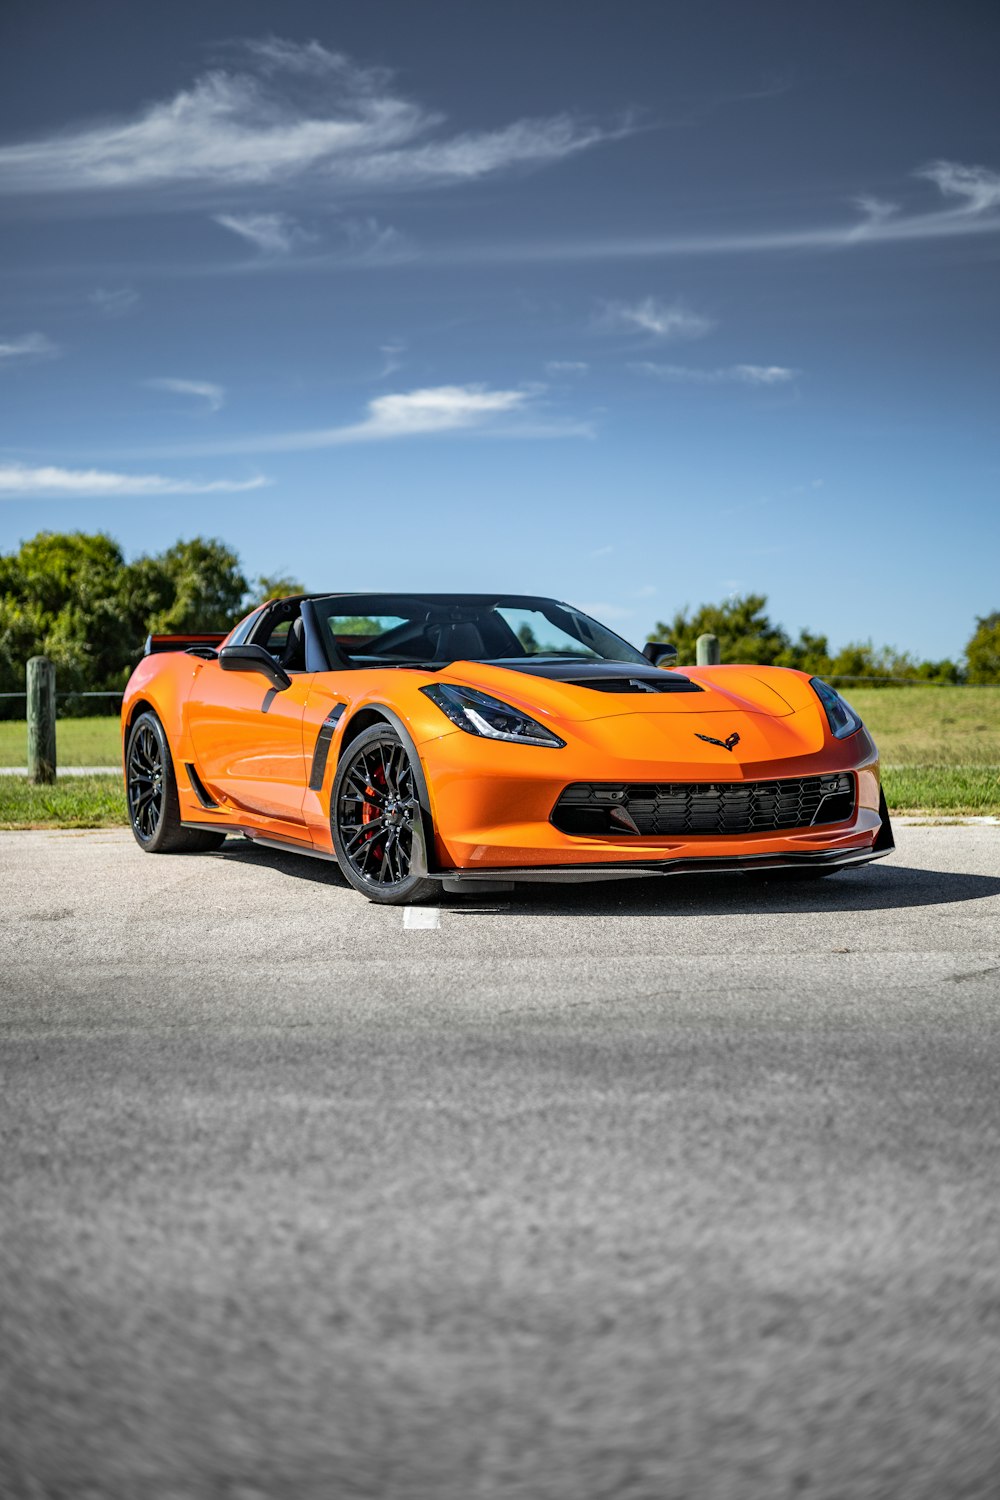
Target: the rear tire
pixel 151 794
pixel 377 820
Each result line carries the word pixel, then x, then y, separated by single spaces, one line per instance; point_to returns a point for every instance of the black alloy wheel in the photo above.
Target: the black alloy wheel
pixel 145 781
pixel 377 820
pixel 151 792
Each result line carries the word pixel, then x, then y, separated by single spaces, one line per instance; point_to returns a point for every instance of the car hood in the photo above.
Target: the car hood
pixel 576 691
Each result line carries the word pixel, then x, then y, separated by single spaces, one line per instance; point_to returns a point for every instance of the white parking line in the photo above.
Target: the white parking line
pixel 421 916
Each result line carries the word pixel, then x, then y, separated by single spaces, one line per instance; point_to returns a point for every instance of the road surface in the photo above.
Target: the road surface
pixel 681 1190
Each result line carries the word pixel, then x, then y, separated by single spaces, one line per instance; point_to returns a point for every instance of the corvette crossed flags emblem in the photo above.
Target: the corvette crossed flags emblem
pixel 726 744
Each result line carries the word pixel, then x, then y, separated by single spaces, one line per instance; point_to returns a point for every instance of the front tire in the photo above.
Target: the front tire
pixel 151 793
pixel 377 821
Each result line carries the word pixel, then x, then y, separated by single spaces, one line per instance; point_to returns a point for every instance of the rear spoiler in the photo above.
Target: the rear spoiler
pixel 156 643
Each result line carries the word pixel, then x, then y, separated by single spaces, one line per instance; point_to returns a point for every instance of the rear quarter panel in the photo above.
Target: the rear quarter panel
pixel 162 682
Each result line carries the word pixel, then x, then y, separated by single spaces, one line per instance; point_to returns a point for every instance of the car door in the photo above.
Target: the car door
pixel 247 734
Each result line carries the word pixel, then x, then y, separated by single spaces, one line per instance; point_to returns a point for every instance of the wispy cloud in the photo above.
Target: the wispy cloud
pixel 285 110
pixel 369 240
pixel 967 203
pixel 429 412
pixel 205 390
pixel 567 367
pixel 392 359
pixel 271 234
pixel 444 408
pixel 758 375
pixel 49 481
pixel 27 346
pixel 114 302
pixel 661 320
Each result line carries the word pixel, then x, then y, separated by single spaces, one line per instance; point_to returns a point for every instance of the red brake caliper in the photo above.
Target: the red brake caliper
pixel 370 810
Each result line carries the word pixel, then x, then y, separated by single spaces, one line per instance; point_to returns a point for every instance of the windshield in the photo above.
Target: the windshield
pixel 435 629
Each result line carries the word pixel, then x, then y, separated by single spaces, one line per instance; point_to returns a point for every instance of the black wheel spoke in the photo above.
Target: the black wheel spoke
pixel 145 782
pixel 375 808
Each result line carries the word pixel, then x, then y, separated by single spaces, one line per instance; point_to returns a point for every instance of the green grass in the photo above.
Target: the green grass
pixel 963 790
pixel 940 751
pixel 74 802
pixel 79 742
pixel 926 726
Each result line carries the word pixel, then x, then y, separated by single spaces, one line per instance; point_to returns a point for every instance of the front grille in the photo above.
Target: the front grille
pixel 589 808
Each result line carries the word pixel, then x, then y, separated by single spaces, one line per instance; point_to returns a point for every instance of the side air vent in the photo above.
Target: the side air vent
pixel 596 808
pixel 199 788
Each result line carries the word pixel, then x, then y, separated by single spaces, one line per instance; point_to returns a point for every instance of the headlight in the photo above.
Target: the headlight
pixel 840 715
pixel 478 713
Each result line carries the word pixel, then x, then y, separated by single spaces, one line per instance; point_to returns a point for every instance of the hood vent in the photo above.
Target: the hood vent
pixel 604 676
pixel 642 684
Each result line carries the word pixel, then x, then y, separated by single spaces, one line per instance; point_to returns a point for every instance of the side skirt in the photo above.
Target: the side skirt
pixel 268 840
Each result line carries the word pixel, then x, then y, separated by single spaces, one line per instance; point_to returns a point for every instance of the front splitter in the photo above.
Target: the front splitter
pixel 827 859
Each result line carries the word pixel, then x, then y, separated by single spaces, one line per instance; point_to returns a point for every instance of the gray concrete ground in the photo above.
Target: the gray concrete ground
pixel 680 1189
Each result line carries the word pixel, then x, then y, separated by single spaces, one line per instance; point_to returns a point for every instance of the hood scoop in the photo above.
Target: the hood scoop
pixel 607 676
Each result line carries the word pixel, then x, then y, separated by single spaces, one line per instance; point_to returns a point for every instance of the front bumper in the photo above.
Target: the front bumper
pixel 492 808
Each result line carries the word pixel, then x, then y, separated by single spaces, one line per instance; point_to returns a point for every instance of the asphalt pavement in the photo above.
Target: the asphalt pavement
pixel 673 1190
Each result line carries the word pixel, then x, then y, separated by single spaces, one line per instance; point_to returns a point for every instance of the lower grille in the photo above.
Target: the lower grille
pixel 589 808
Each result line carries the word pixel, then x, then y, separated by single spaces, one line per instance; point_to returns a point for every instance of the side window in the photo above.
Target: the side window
pixel 276 639
pixel 280 632
pixel 244 629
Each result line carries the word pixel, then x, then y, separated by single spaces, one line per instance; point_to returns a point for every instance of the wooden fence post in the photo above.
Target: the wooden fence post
pixel 708 652
pixel 41 687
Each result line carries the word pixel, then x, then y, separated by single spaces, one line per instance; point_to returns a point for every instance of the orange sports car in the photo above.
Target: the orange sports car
pixel 452 741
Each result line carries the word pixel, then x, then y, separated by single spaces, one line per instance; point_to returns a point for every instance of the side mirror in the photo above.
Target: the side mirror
pixel 254 659
pixel 658 652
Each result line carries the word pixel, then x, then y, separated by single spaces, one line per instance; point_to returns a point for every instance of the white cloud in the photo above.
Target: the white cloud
pixel 286 110
pixel 432 411
pixel 726 375
pixel 271 234
pixel 115 302
pixel 663 320
pixel 443 408
pixel 205 390
pixel 18 479
pixel 875 210
pixel 567 367
pixel 27 346
pixel 369 240
pixel 976 188
pixel 392 359
pixel 971 207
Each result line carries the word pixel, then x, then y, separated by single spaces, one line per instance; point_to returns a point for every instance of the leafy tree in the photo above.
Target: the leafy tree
pixel 983 651
pixel 744 630
pixel 746 634
pixel 265 588
pixel 60 598
pixel 72 597
pixel 207 587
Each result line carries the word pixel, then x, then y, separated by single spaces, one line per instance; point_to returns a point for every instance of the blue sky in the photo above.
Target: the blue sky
pixel 638 305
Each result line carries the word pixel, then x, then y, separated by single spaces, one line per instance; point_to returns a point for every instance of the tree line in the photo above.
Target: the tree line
pixel 746 634
pixel 71 596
